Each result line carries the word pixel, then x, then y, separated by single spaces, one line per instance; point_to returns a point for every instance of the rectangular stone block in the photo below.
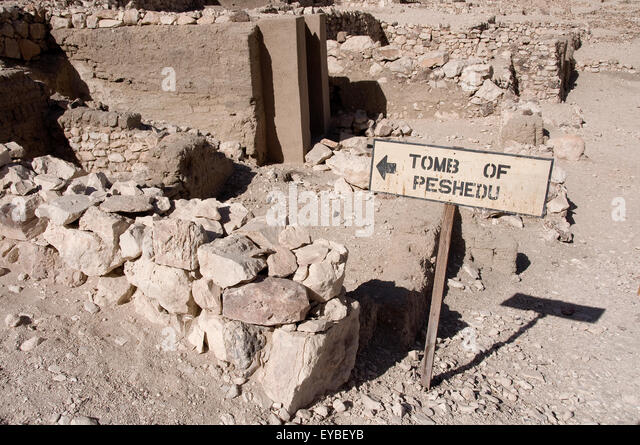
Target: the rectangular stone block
pixel 283 58
pixel 318 73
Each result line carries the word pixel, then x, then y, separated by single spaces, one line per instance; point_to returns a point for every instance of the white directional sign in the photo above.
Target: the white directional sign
pixel 496 181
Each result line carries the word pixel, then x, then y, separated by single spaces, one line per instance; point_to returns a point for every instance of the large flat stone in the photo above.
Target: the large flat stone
pixel 268 302
pixel 65 209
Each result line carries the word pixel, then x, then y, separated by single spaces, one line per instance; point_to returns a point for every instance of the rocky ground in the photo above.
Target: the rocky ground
pixel 555 344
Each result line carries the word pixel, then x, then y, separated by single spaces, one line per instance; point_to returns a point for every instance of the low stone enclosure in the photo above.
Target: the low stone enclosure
pixel 120 127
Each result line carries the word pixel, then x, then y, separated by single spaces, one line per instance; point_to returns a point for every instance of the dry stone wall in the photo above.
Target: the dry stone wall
pixel 23 111
pixel 107 141
pixel 23 32
pixel 542 54
pixel 117 144
pixel 256 296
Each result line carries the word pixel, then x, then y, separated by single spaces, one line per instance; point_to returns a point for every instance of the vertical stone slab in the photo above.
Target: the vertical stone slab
pixel 318 73
pixel 283 59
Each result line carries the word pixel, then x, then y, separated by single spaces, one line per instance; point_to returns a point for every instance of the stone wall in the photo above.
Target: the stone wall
pixel 355 23
pixel 542 54
pixel 107 141
pixel 23 33
pixel 23 111
pixel 118 145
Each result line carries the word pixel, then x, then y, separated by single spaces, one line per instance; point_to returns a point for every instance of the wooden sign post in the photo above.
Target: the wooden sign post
pixel 457 176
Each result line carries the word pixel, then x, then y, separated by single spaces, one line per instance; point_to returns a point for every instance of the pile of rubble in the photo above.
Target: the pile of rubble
pixel 266 300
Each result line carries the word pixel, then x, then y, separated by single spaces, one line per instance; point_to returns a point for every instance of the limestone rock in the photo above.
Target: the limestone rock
pixel 570 147
pixel 233 216
pixel 207 295
pixel 313 253
pixel 65 209
pixel 357 44
pixel 131 241
pixel 185 165
pixel 50 182
pixel 232 149
pixel 50 165
pixel 18 219
pixel 204 212
pixel 150 309
pixel 83 251
pixel 108 226
pixel 354 169
pixel 12 173
pixel 22 188
pixel 265 235
pixel 488 92
pixel 213 327
pixel 282 263
pixel 242 343
pixel 383 128
pixel 88 184
pixel 268 302
pixel 521 127
pixel 318 154
pixel 453 68
pixel 127 204
pixel 176 242
pixel 325 280
pixel 404 65
pixel 293 237
pixel 558 204
pixel 113 289
pixel 473 76
pixel 302 366
pixel 5 155
pixel 231 260
pixel 387 53
pixel 433 59
pixel 127 188
pixel 170 287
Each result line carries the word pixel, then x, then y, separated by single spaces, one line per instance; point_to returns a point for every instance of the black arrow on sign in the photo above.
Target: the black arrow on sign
pixel 385 167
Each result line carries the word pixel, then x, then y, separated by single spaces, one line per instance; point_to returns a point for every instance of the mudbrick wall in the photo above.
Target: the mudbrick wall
pixel 204 77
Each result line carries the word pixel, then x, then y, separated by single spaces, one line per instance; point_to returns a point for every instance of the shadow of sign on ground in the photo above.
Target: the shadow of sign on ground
pixel 543 307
